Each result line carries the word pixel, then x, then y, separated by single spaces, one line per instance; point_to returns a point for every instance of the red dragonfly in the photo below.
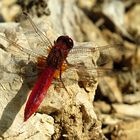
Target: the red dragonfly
pixel 51 65
pixel 54 61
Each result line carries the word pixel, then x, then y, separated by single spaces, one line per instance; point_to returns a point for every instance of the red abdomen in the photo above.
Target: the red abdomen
pixel 38 92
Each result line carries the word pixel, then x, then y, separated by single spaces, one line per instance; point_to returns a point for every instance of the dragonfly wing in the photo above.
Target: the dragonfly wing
pixel 87 47
pixel 106 52
pixel 36 35
pixel 92 72
pixel 29 37
pixel 83 76
pixel 14 40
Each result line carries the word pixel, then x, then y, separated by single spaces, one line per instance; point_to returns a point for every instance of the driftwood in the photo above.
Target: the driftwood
pixel 71 115
pixel 61 115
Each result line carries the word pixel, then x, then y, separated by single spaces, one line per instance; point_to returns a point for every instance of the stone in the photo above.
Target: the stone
pixel 69 114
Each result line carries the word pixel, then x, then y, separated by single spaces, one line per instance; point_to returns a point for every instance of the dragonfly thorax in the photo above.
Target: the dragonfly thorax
pixel 59 52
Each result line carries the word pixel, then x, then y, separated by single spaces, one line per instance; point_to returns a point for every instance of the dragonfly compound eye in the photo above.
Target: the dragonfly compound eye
pixel 66 40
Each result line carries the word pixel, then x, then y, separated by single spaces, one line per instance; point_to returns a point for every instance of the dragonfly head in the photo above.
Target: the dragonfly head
pixel 65 40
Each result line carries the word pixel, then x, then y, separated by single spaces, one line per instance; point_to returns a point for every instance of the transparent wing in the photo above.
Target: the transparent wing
pixel 92 71
pixel 37 38
pixel 92 47
pixel 43 37
pixel 21 57
pixel 86 76
pixel 13 44
pixel 107 52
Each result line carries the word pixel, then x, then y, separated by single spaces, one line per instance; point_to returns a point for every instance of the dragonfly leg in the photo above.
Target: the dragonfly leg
pixel 67 62
pixel 60 77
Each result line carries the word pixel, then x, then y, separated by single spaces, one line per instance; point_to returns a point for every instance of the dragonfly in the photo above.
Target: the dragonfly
pixel 52 65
